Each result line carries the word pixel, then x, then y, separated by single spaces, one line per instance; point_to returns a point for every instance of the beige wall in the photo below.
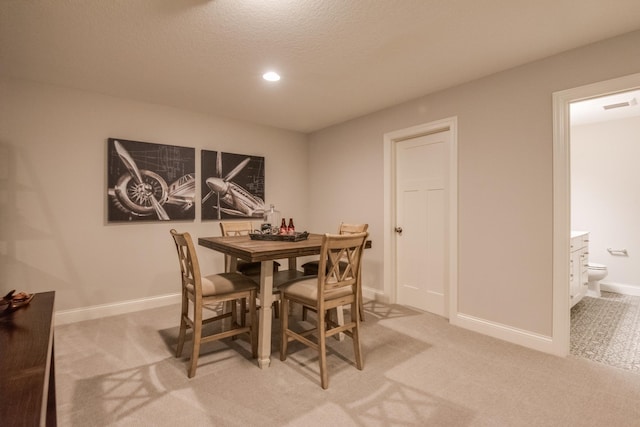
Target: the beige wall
pixel 52 144
pixel 505 178
pixel 604 195
pixel 53 184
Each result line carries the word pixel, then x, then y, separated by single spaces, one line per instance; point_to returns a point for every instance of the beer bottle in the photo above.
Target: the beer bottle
pixel 283 227
pixel 291 229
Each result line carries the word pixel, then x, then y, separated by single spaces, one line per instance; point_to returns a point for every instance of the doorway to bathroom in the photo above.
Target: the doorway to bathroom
pixel 596 144
pixel 604 148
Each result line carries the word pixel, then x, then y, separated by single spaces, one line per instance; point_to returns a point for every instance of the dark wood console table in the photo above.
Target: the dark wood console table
pixel 27 374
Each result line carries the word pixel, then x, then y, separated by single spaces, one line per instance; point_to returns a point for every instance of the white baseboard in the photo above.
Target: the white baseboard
pixel 98 311
pixel 620 288
pixel 375 295
pixel 506 333
pixel 510 334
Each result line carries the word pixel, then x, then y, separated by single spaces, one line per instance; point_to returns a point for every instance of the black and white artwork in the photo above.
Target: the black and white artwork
pixel 150 182
pixel 232 185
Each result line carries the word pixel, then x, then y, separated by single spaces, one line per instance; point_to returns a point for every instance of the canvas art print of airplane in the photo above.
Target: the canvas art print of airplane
pixel 232 185
pixel 150 182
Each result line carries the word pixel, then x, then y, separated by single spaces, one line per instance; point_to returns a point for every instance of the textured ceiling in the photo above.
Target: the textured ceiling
pixel 339 59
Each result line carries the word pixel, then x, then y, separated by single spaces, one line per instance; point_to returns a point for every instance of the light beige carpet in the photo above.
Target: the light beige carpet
pixel 419 371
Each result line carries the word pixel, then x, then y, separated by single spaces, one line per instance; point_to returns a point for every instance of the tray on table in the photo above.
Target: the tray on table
pixel 296 237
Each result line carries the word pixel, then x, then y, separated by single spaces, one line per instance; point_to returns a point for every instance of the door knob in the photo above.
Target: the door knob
pixel 398 229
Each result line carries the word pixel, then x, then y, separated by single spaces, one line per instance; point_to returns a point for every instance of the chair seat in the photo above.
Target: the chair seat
pixel 279 278
pixel 323 293
pixel 307 289
pixel 198 291
pixel 224 283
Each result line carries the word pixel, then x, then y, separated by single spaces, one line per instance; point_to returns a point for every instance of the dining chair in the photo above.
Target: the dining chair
pixel 252 269
pixel 200 293
pixel 242 228
pixel 311 268
pixel 336 285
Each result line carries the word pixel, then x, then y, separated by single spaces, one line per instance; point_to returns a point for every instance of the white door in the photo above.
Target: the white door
pixel 421 169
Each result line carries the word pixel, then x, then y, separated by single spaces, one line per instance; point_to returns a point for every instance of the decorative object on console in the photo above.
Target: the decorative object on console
pixel 12 301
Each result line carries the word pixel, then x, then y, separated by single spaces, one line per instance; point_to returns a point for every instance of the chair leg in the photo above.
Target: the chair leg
pixel 340 321
pixel 233 305
pixel 197 334
pixel 361 307
pixel 181 336
pixel 276 309
pixel 304 312
pixel 284 326
pixel 355 336
pixel 243 312
pixel 322 347
pixel 184 311
pixel 234 314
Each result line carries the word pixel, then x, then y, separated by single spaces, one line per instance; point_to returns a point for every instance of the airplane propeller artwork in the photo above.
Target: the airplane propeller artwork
pixel 243 202
pixel 143 192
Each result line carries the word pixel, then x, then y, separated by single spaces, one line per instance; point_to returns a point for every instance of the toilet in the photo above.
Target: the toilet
pixel 597 272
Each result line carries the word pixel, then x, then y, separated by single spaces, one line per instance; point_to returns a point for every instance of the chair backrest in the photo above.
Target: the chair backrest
pixel 236 228
pixel 340 263
pixel 189 266
pixel 352 228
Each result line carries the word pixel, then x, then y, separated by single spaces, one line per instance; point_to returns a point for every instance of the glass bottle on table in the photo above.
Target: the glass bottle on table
pixel 283 227
pixel 271 221
pixel 291 228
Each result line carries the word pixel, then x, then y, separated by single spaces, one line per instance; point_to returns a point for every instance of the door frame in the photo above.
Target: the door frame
pixel 389 235
pixel 562 197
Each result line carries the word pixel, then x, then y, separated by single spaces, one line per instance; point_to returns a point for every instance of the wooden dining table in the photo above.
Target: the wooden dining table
pixel 265 251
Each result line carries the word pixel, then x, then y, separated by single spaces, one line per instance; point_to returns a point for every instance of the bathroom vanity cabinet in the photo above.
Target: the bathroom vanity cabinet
pixel 579 266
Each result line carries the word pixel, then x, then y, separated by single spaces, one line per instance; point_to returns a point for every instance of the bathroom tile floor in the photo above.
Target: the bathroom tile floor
pixel 607 330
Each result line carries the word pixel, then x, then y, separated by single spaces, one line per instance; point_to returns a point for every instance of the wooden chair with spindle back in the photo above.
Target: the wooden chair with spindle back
pixel 207 293
pixel 242 228
pixel 335 286
pixel 311 268
pixel 252 269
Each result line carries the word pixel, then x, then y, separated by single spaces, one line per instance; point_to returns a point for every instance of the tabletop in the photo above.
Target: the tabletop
pixel 245 248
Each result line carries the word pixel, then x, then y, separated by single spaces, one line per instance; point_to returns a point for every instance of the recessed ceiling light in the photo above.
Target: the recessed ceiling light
pixel 271 76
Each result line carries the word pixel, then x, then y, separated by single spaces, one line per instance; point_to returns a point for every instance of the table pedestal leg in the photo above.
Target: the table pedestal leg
pixel 264 325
